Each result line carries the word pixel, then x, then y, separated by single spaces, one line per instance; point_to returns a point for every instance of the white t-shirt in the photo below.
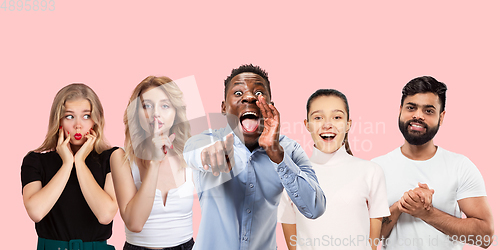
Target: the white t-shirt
pixel 169 225
pixel 355 192
pixel 452 176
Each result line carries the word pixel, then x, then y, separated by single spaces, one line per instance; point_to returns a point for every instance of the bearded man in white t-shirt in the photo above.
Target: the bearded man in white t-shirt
pixel 429 187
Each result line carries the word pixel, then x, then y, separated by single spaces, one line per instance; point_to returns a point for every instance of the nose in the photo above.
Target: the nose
pixel 156 112
pixel 418 115
pixel 78 123
pixel 249 97
pixel 327 125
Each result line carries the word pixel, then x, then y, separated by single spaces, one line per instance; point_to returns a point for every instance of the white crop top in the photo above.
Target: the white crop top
pixel 168 225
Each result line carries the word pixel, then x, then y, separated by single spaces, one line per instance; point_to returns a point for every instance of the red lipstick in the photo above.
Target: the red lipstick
pixel 78 136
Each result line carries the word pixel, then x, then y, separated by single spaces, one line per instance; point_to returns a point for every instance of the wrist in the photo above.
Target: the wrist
pixel 426 214
pixel 394 209
pixel 68 165
pixel 79 162
pixel 276 154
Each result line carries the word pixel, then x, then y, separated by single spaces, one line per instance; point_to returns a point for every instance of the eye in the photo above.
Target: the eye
pixel 429 111
pixel 317 118
pixel 86 117
pixel 146 106
pixel 165 106
pixel 410 107
pixel 257 93
pixel 69 117
pixel 238 93
pixel 338 117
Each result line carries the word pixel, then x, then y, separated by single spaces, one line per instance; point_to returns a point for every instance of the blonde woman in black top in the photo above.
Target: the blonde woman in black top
pixel 67 186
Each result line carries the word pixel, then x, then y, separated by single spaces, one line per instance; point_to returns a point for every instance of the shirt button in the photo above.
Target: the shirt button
pixel 251 185
pixel 281 169
pixel 286 176
pixel 250 158
pixel 249 211
pixel 245 238
pixel 295 194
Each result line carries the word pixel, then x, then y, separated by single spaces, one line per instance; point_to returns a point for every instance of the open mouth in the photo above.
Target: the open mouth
pixel 417 126
pixel 78 136
pixel 327 136
pixel 249 121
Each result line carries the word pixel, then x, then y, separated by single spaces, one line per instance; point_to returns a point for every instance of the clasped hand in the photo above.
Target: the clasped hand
pixel 417 202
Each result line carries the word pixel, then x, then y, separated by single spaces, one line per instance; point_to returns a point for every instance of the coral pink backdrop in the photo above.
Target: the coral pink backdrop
pixel 368 50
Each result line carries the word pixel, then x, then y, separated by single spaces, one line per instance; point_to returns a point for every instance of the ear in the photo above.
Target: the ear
pixel 306 123
pixel 441 117
pixel 223 108
pixel 349 123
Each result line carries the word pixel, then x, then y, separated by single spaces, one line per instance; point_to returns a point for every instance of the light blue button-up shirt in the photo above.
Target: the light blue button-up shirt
pixel 239 208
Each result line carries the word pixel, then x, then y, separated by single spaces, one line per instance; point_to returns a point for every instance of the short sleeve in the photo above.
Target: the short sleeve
pixel 470 181
pixel 286 213
pixel 377 203
pixel 31 169
pixel 107 155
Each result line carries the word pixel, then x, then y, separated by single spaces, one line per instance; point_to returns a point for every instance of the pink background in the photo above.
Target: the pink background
pixel 367 50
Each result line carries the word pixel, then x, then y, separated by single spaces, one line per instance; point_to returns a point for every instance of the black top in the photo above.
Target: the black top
pixel 70 217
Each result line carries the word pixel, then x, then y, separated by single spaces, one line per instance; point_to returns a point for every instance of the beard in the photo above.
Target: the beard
pixel 416 138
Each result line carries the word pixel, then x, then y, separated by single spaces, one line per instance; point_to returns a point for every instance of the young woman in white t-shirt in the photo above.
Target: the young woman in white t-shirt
pixel 354 188
pixel 154 189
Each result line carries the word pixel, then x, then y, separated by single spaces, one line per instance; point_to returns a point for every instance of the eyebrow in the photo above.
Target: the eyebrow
pixel 71 111
pixel 257 82
pixel 425 106
pixel 333 111
pixel 162 100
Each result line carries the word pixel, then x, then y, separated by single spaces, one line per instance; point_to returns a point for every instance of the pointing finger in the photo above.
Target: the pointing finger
pixel 156 129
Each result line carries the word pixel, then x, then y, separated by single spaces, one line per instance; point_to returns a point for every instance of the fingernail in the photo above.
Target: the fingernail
pixel 171 146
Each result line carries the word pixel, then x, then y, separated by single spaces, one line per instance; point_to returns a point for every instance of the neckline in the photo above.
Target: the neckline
pixel 321 158
pixel 400 152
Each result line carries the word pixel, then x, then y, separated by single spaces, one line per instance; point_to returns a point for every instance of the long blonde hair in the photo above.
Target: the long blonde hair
pixel 72 92
pixel 137 140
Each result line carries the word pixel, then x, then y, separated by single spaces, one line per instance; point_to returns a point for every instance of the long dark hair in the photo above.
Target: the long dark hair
pixel 331 92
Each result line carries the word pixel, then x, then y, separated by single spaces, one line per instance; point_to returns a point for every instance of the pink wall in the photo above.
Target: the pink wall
pixel 367 50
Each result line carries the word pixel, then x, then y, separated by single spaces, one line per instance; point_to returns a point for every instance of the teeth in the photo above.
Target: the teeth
pixel 327 134
pixel 249 113
pixel 417 125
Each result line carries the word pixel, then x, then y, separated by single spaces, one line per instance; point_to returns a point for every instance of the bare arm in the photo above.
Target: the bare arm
pixel 375 227
pixel 135 205
pixel 477 225
pixel 389 221
pixel 39 200
pixel 290 232
pixel 102 202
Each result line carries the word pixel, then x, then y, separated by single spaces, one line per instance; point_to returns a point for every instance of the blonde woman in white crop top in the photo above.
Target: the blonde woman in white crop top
pixel 154 189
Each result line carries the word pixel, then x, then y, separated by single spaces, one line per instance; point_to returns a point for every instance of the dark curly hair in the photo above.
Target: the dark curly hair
pixel 247 68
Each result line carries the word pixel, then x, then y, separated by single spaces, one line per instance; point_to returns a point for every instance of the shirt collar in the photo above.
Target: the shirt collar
pixel 321 158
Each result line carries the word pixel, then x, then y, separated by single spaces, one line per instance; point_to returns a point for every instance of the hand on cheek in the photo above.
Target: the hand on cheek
pixel 87 146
